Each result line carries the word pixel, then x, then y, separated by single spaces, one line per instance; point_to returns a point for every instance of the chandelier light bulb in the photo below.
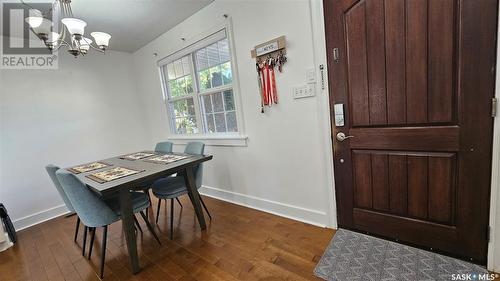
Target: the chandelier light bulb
pixel 35 19
pixel 101 39
pixel 44 29
pixel 75 26
pixel 52 40
pixel 34 22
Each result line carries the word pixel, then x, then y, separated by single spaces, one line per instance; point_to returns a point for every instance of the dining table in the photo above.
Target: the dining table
pixel 147 171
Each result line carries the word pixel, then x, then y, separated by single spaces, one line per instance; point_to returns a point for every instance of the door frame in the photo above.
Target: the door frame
pixel 493 260
pixel 320 58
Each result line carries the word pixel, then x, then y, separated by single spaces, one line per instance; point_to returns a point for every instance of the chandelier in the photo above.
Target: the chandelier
pixel 71 31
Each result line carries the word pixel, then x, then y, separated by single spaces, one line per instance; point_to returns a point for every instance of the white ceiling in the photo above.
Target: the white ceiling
pixel 134 23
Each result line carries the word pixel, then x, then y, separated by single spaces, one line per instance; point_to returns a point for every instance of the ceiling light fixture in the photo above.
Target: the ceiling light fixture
pixel 71 30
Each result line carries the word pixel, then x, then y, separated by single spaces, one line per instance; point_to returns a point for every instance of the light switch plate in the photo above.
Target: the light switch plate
pixel 304 91
pixel 311 75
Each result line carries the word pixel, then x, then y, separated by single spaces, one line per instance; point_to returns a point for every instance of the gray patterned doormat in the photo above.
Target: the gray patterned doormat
pixel 355 256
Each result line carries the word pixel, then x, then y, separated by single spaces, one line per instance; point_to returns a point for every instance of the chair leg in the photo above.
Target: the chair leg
pixel 205 207
pixel 158 210
pixel 178 201
pixel 150 227
pixel 103 249
pixel 92 237
pixel 172 219
pixel 85 228
pixel 77 227
pixel 137 223
pixel 150 205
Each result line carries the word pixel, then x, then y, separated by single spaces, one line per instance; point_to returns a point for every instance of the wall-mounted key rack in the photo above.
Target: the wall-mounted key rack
pixel 269 56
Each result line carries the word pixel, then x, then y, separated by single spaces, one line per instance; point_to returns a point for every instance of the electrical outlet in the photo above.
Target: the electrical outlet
pixel 304 91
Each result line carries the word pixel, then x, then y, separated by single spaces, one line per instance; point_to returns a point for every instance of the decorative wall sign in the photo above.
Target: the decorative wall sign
pixel 269 56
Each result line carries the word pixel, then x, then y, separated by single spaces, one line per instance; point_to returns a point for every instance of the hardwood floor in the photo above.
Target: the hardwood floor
pixel 239 244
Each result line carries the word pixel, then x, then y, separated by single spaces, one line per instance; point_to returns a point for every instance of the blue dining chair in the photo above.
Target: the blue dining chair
pixel 174 187
pixel 51 170
pixel 95 212
pixel 162 147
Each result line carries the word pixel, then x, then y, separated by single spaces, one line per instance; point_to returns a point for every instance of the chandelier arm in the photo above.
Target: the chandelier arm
pixel 70 10
pixel 97 48
pixel 64 9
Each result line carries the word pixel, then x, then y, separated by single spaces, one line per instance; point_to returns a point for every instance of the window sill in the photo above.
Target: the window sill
pixel 212 140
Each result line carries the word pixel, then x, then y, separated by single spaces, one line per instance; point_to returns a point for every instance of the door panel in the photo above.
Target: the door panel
pixel 416 62
pixel 414 83
pixel 411 184
pixel 416 80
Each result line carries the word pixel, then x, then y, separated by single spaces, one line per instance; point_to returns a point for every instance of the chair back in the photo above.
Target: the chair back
pixel 164 147
pixel 90 208
pixel 196 148
pixel 51 170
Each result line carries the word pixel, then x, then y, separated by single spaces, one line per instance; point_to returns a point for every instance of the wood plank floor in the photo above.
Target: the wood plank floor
pixel 239 244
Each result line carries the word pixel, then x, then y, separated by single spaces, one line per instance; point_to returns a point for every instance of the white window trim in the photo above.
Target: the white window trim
pixel 215 139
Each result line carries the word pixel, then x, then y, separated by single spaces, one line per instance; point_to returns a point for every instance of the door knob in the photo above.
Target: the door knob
pixel 342 137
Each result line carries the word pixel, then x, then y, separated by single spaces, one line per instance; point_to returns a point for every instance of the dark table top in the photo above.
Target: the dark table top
pixel 150 172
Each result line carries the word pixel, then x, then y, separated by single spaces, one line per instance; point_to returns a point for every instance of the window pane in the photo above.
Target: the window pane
pixel 189 84
pixel 180 80
pixel 178 68
pixel 201 59
pixel 224 50
pixel 227 75
pixel 204 77
pixel 185 65
pixel 184 116
pixel 213 64
pixel 185 125
pixel 228 100
pixel 216 74
pixel 217 102
pixel 207 104
pixel 231 122
pixel 220 122
pixel 174 88
pixel 181 86
pixel 183 108
pixel 170 71
pixel 213 55
pixel 210 123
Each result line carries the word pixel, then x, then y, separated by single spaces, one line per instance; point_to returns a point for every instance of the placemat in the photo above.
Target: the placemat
pixel 112 174
pixel 166 158
pixel 88 167
pixel 138 155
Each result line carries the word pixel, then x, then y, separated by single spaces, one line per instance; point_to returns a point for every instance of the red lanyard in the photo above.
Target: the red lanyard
pixel 267 82
pixel 268 87
pixel 273 82
pixel 264 89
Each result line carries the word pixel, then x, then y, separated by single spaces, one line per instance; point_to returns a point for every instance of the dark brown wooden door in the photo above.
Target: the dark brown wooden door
pixel 416 78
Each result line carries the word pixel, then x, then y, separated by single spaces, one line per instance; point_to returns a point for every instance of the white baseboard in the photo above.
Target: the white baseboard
pixel 40 217
pixel 309 216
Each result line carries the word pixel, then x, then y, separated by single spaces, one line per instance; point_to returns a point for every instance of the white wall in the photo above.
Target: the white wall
pixel 283 168
pixel 85 110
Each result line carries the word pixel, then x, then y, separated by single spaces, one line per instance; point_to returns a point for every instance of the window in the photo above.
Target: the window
pixel 198 82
